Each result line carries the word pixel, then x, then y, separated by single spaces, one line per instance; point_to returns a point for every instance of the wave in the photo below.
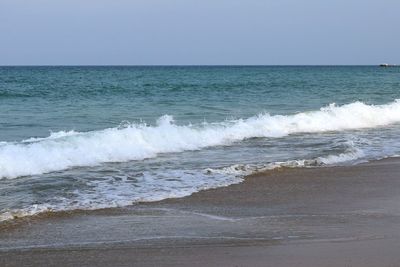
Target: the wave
pixel 352 154
pixel 13 94
pixel 63 150
pixel 108 193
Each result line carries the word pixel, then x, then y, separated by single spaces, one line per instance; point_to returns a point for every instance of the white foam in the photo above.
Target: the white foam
pixel 352 154
pixel 111 193
pixel 63 150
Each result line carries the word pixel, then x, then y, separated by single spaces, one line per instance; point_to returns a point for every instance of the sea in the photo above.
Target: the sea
pixel 94 137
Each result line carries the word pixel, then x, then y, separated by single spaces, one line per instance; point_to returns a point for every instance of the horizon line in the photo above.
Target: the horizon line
pixel 187 65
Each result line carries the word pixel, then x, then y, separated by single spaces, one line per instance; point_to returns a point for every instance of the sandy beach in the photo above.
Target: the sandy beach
pixel 330 216
pixel 199 133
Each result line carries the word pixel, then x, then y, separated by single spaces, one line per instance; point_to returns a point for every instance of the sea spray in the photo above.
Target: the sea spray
pixel 63 150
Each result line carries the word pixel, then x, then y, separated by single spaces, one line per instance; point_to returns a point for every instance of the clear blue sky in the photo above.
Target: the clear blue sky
pixel 141 32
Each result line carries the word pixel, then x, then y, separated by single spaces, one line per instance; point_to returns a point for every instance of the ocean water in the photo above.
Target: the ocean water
pixel 99 137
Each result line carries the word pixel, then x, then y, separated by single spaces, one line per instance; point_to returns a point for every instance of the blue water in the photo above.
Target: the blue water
pixel 93 137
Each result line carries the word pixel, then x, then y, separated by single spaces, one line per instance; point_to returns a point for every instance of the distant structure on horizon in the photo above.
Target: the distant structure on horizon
pixel 387 65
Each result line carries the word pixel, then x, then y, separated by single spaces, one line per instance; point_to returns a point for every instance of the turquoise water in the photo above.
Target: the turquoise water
pixel 93 137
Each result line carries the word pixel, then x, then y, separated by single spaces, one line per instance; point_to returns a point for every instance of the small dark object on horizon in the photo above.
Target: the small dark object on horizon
pixel 387 65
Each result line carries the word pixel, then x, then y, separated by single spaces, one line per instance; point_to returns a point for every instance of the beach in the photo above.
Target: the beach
pixel 325 216
pixel 139 133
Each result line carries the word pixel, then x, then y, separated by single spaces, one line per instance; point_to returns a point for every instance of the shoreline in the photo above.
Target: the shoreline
pixel 350 214
pixel 21 219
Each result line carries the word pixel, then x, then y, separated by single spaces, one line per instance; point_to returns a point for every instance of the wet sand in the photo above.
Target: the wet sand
pixel 334 216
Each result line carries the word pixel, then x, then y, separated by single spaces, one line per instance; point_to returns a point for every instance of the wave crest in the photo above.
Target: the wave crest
pixel 63 150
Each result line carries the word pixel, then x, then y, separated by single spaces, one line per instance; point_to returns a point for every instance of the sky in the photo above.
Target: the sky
pixel 199 32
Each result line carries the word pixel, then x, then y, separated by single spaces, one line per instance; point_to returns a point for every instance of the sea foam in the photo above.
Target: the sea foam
pixel 63 150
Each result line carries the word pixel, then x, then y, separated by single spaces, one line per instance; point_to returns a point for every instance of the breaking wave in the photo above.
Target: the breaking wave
pixel 63 150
